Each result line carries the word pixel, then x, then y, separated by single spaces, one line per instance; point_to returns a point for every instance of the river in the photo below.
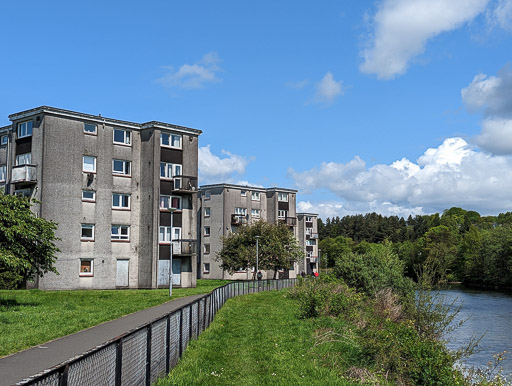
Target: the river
pixel 488 312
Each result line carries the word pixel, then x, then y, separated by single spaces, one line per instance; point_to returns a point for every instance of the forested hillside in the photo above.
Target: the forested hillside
pixel 457 245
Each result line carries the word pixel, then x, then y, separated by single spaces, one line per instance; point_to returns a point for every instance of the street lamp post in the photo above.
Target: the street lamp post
pixel 257 252
pixel 170 254
pixel 319 259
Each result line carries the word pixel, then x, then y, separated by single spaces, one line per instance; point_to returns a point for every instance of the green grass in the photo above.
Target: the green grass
pixel 31 317
pixel 258 340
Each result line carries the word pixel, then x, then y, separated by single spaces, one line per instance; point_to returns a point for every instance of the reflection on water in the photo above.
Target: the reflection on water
pixel 489 313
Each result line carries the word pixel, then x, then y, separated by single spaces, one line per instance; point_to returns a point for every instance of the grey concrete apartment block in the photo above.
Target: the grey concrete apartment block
pixel 125 250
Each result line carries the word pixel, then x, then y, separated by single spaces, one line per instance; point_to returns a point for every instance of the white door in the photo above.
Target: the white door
pixel 122 273
pixel 176 243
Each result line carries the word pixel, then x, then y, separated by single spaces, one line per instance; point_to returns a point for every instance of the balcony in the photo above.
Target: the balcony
pixel 313 259
pixel 290 221
pixel 311 236
pixel 24 174
pixel 184 247
pixel 184 184
pixel 238 219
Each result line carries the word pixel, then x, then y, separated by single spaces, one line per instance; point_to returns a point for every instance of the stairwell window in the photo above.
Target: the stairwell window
pixel 121 167
pixel 122 137
pixel 206 249
pixel 24 129
pixel 89 128
pixel 120 233
pixel 207 212
pixel 282 197
pixel 207 231
pixel 4 140
pixel 88 164
pixel 24 159
pixel 3 171
pixel 86 267
pixel 88 195
pixel 87 232
pixel 170 140
pixel 206 268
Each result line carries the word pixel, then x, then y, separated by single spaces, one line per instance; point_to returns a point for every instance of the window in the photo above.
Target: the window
pixel 86 267
pixel 282 197
pixel 164 235
pixel 3 171
pixel 243 193
pixel 4 140
pixel 240 211
pixel 255 196
pixel 88 164
pixel 206 268
pixel 170 202
pixel 170 140
pixel 207 194
pixel 168 170
pixel 89 195
pixel 207 231
pixel 282 213
pixel 121 167
pixel 309 231
pixel 89 128
pixel 206 249
pixel 207 212
pixel 255 213
pixel 25 129
pixel 120 201
pixel 123 137
pixel 311 242
pixel 309 253
pixel 27 192
pixel 24 159
pixel 309 219
pixel 120 232
pixel 87 232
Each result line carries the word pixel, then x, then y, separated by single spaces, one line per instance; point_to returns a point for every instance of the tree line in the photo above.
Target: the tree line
pixel 457 245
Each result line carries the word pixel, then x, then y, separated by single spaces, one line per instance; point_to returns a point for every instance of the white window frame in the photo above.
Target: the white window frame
pixel 241 211
pixel 127 137
pixel 206 267
pixel 282 213
pixel 4 140
pixel 24 159
pixel 119 236
pixel 84 164
pixel 309 253
pixel 3 173
pixel 283 197
pixel 165 236
pixel 90 125
pixel 207 231
pixel 25 129
pixel 207 194
pixel 243 193
pixel 170 170
pixel 255 196
pixel 87 226
pixel 309 219
pixel 207 211
pixel 310 242
pixel 86 273
pixel 85 199
pixel 255 213
pixel 121 197
pixel 171 140
pixel 207 249
pixel 309 231
pixel 166 198
pixel 127 168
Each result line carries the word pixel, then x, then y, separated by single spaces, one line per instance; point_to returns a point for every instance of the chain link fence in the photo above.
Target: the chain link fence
pixel 141 356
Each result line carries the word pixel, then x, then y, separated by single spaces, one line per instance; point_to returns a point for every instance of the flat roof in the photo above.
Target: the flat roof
pixel 307 214
pixel 246 187
pixel 101 119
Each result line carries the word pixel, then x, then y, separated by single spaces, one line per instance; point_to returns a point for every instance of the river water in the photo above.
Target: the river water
pixel 485 312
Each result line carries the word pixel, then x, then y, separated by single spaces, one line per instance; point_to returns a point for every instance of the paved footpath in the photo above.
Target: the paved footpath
pixel 24 364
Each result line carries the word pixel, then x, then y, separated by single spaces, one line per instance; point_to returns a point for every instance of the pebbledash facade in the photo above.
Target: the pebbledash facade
pixel 112 187
pixel 226 207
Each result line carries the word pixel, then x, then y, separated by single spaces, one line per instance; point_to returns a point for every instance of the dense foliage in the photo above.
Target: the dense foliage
pixel 457 245
pixel 278 248
pixel 27 243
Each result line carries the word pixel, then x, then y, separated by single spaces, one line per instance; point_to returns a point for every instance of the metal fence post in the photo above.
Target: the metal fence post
pixel 181 332
pixel 168 344
pixel 119 361
pixel 63 379
pixel 190 322
pixel 148 356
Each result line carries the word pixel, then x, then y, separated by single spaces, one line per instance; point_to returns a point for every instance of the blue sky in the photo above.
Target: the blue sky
pixel 394 106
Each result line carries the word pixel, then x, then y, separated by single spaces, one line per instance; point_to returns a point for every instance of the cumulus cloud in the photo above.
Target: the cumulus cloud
pixel 190 76
pixel 453 174
pixel 328 89
pixel 492 96
pixel 214 169
pixel 501 15
pixel 401 29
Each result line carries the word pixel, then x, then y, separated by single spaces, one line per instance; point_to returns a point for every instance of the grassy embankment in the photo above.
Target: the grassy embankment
pixel 258 340
pixel 28 318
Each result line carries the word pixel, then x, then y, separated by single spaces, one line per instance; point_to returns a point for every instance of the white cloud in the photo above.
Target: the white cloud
pixel 214 169
pixel 401 29
pixel 339 208
pixel 491 95
pixel 501 15
pixel 328 89
pixel 299 85
pixel 453 174
pixel 195 75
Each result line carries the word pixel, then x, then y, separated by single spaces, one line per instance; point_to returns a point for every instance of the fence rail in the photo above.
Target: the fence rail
pixel 148 352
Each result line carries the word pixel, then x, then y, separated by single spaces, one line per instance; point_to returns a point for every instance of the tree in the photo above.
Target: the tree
pixel 278 248
pixel 27 243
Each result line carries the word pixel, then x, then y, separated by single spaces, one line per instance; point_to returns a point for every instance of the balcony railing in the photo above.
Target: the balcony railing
pixel 313 259
pixel 184 247
pixel 290 221
pixel 185 184
pixel 24 173
pixel 311 236
pixel 238 219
